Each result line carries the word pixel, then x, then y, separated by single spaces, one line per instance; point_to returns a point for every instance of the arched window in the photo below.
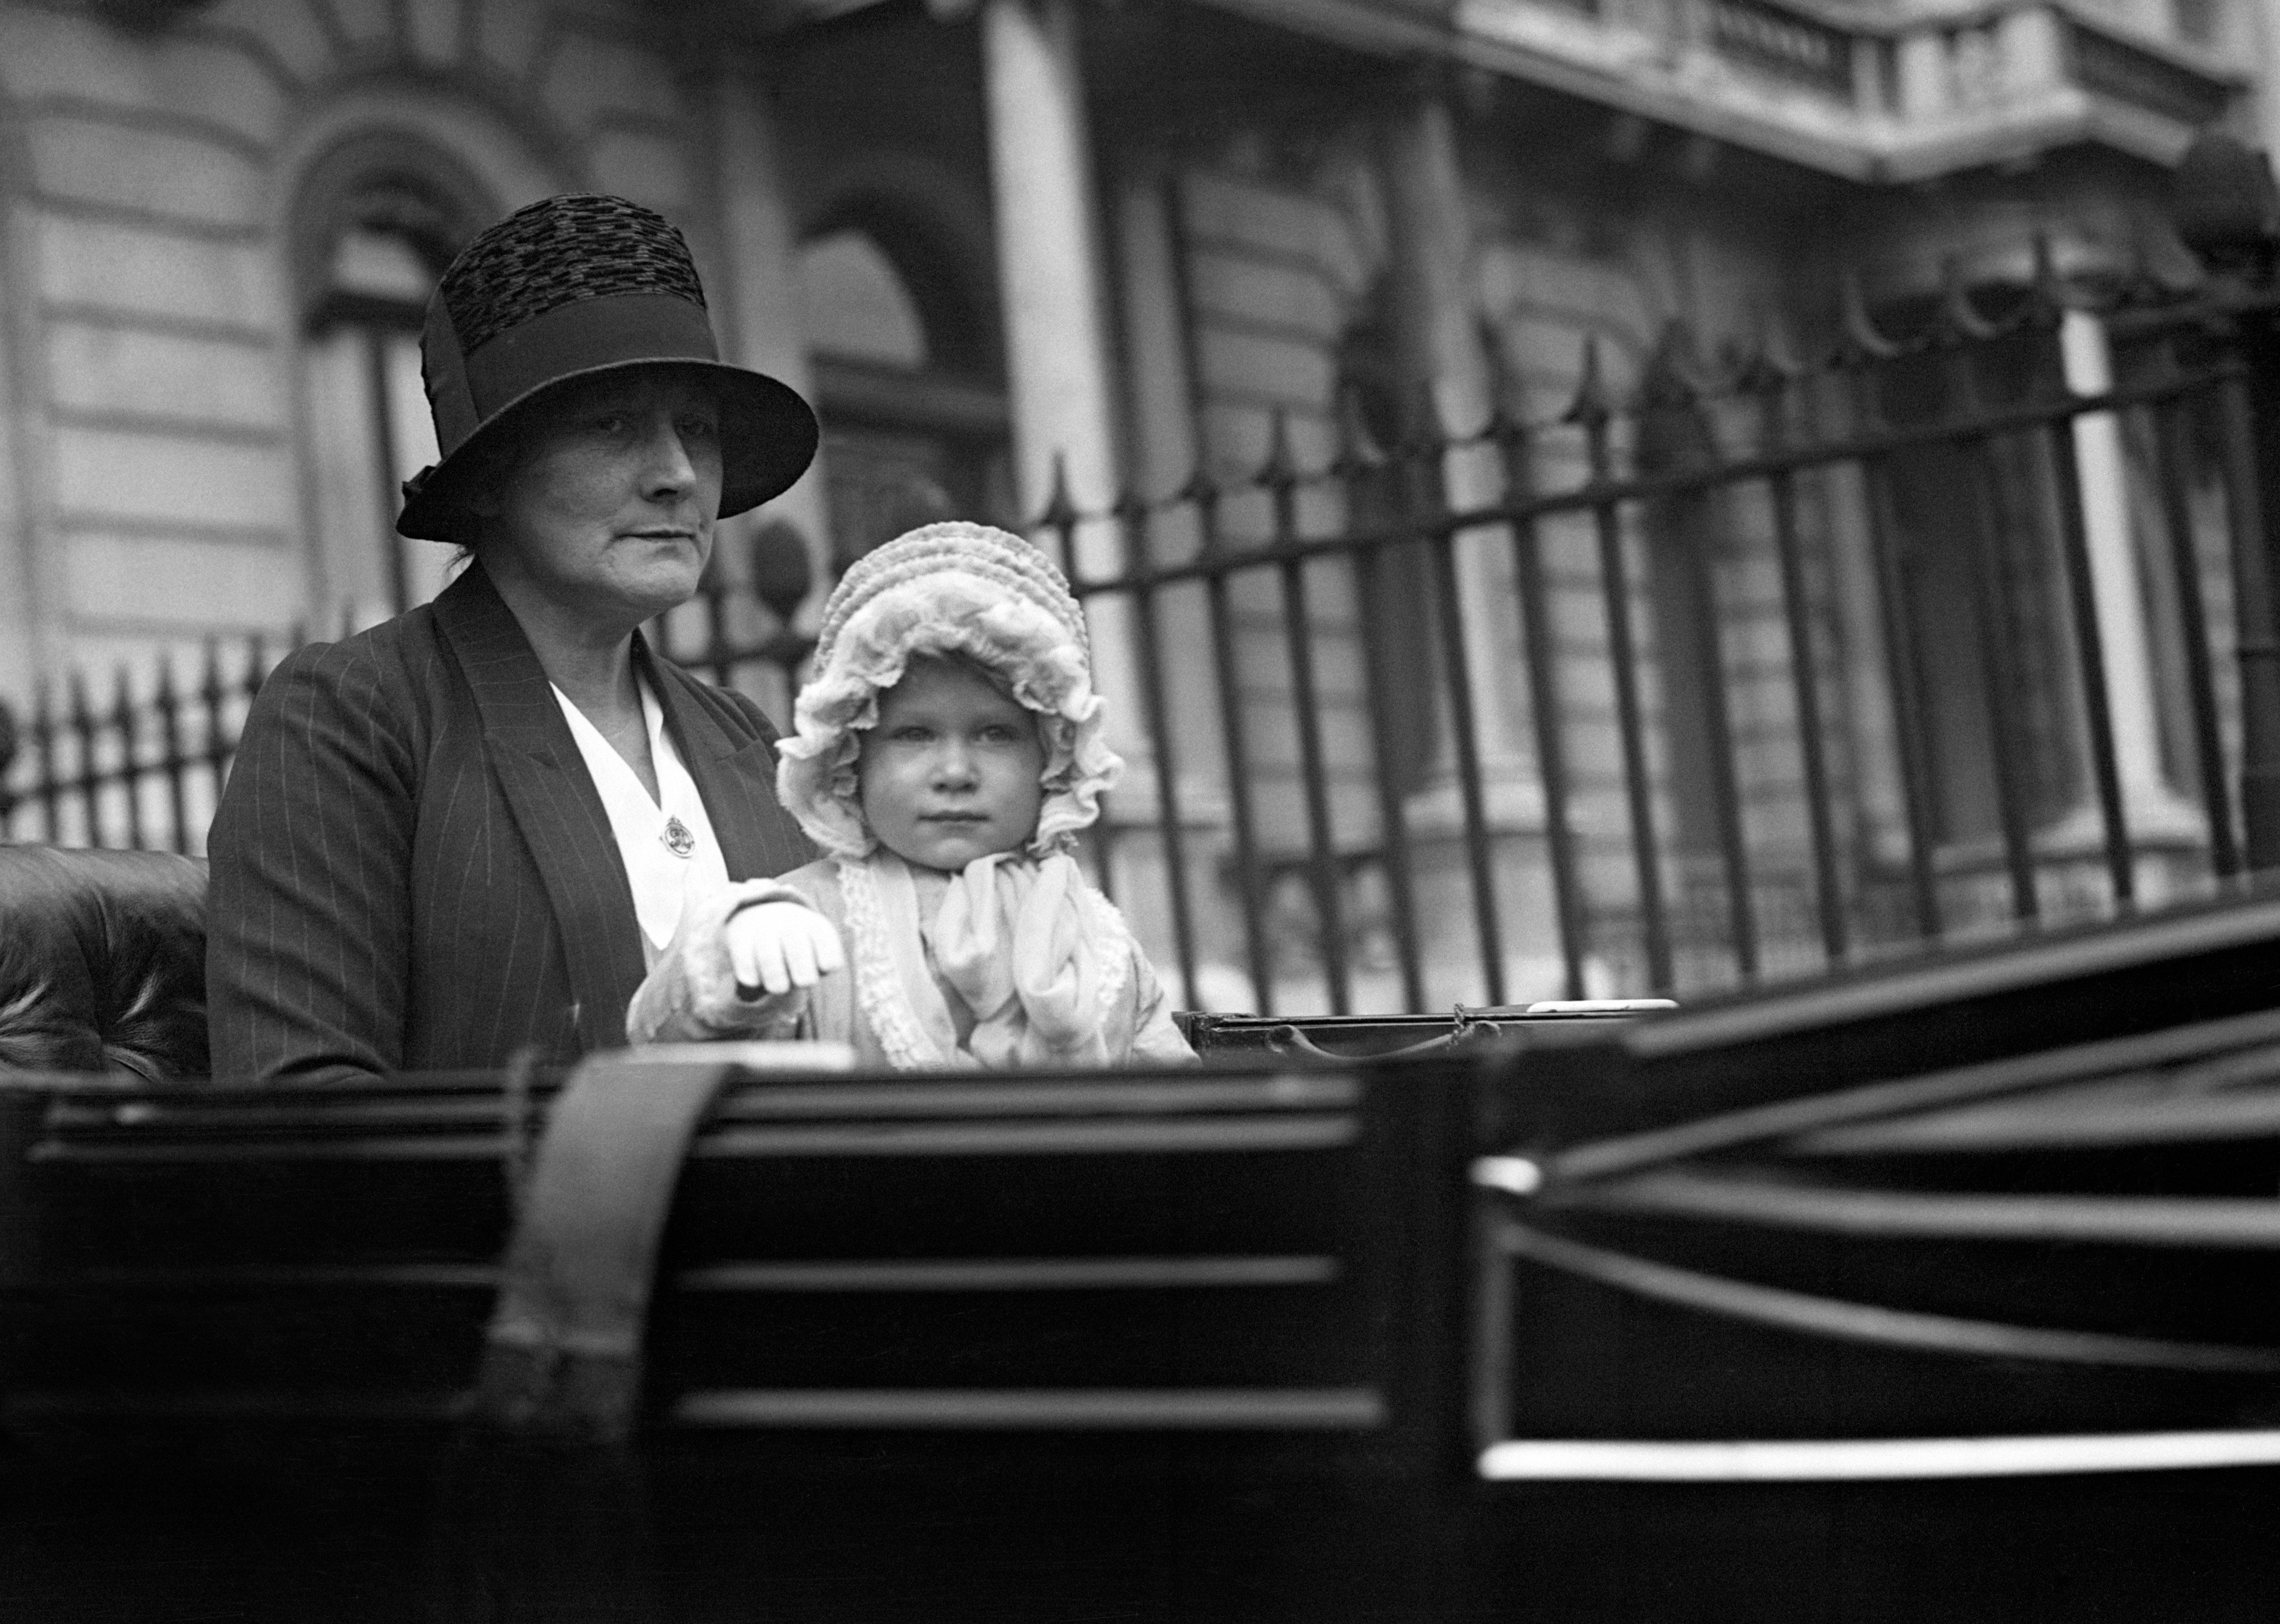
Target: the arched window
pixel 908 384
pixel 379 219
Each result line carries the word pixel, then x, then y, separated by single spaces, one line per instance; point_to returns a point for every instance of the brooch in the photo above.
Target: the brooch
pixel 677 838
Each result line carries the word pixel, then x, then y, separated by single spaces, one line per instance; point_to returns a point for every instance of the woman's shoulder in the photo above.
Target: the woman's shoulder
pixel 383 697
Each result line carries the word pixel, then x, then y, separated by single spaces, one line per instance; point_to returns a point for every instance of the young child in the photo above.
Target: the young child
pixel 946 752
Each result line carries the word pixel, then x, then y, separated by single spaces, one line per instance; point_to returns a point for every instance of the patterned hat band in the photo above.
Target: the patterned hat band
pixel 614 330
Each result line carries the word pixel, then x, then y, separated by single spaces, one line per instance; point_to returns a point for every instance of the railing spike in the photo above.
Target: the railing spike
pixel 1673 377
pixel 1424 435
pixel 1958 320
pixel 1590 407
pixel 1504 424
pixel 781 572
pixel 1060 511
pixel 1280 470
pixel 1359 452
pixel 1762 364
pixel 1199 488
pixel 2143 282
pixel 1859 343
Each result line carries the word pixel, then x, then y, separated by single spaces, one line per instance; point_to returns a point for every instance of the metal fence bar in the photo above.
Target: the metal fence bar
pixel 2090 650
pixel 123 719
pixel 1592 412
pixel 2171 463
pixel 1425 483
pixel 85 781
pixel 1279 479
pixel 50 783
pixel 1204 494
pixel 1392 818
pixel 1545 713
pixel 1060 518
pixel 219 743
pixel 1996 620
pixel 2257 649
pixel 1904 684
pixel 168 705
pixel 1725 791
pixel 1133 517
pixel 1797 610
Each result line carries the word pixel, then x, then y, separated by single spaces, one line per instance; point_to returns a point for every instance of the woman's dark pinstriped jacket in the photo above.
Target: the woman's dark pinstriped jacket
pixel 412 869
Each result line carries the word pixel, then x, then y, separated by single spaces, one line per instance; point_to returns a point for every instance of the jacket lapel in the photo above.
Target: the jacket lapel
pixel 734 772
pixel 554 802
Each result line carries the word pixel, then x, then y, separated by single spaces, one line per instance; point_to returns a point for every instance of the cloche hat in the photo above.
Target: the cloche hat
pixel 946 588
pixel 567 288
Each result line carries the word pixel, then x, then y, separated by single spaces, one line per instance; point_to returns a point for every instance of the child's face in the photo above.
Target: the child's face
pixel 951 772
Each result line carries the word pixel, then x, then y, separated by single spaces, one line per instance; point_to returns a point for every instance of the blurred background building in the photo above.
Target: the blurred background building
pixel 1132 238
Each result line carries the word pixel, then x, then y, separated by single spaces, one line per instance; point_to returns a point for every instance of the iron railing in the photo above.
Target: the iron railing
pixel 142 767
pixel 1782 852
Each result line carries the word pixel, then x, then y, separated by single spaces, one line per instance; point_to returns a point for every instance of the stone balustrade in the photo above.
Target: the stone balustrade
pixel 1926 90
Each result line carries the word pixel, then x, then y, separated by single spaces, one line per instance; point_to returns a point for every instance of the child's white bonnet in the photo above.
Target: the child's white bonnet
pixel 946 588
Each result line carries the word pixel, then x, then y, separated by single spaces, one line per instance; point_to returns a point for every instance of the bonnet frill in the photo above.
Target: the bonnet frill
pixel 1039 958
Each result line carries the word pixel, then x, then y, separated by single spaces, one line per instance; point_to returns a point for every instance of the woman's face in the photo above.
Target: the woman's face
pixel 607 512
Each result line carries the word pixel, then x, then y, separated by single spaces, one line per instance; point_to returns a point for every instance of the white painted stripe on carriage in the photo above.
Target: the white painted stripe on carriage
pixel 1079 1409
pixel 1873 1459
pixel 1008 1274
pixel 1018 1099
pixel 1290 1133
pixel 1050 1138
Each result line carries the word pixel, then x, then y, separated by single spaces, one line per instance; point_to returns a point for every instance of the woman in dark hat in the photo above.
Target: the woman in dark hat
pixel 482 826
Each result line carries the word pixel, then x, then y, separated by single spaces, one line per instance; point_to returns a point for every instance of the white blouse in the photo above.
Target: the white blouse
pixel 668 844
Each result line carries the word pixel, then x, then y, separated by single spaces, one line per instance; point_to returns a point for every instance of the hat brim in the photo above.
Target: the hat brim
pixel 768 436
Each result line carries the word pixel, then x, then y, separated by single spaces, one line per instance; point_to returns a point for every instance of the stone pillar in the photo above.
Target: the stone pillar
pixel 1923 75
pixel 2033 51
pixel 757 311
pixel 1162 444
pixel 2258 35
pixel 1056 339
pixel 31 645
pixel 2150 807
pixel 1434 261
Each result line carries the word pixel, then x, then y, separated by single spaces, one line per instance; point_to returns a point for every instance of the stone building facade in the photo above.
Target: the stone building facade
pixel 1132 236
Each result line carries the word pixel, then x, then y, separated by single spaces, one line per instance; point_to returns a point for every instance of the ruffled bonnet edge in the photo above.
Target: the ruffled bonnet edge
pixel 946 588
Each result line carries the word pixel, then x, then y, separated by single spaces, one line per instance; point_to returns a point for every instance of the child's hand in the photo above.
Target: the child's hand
pixel 692 994
pixel 777 946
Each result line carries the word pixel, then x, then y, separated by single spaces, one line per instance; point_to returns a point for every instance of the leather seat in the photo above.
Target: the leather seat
pixel 102 962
